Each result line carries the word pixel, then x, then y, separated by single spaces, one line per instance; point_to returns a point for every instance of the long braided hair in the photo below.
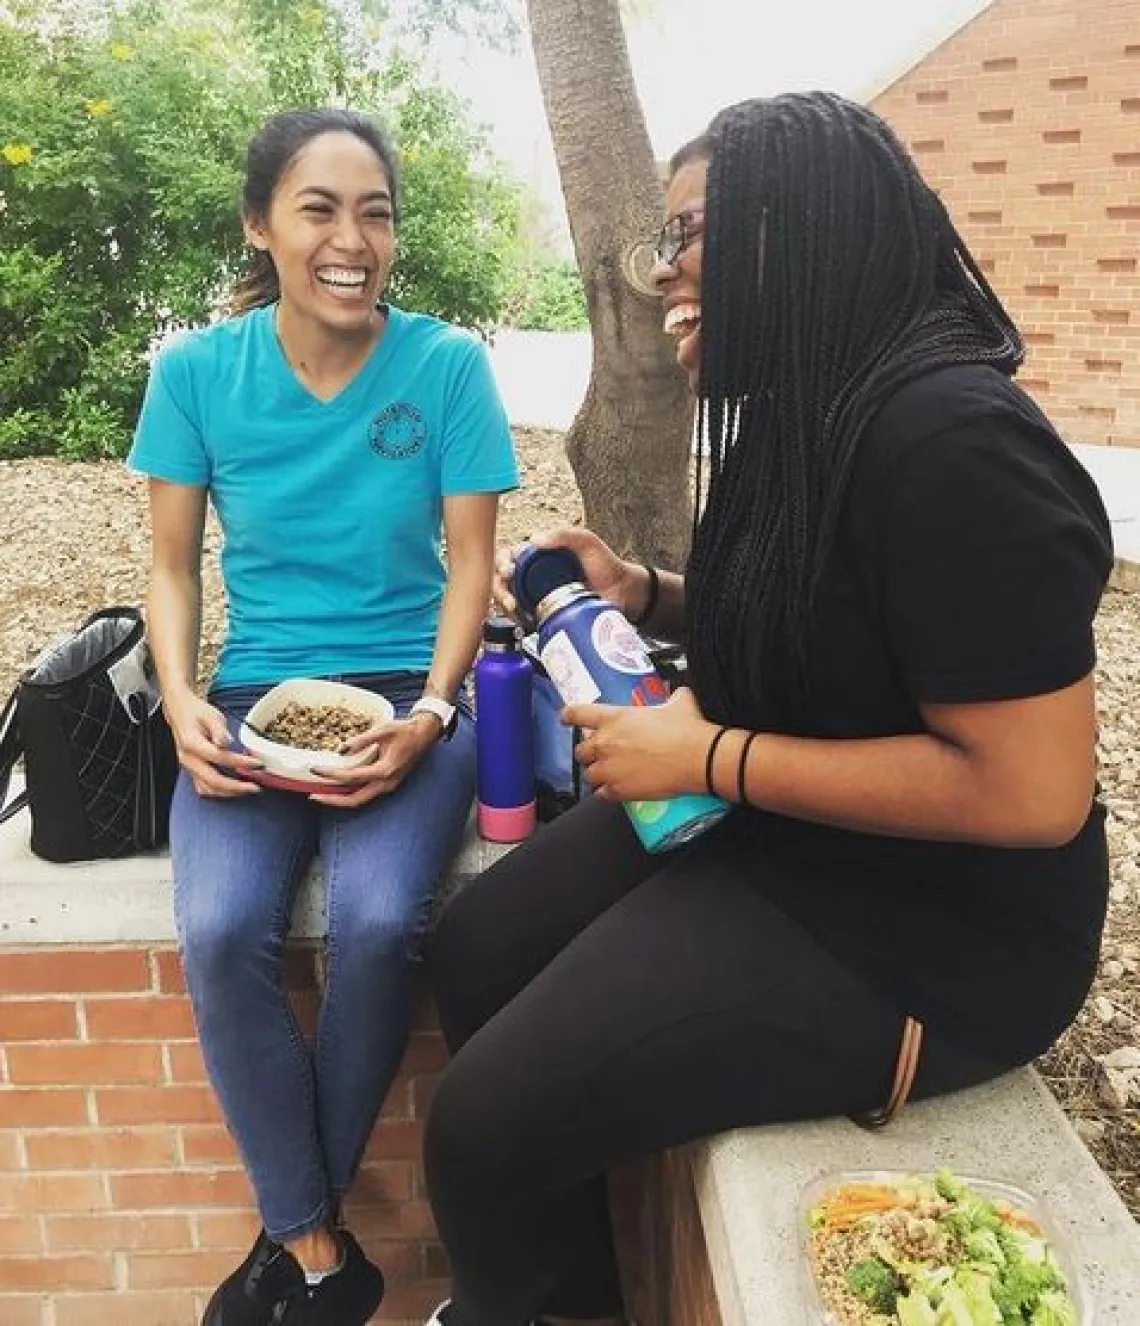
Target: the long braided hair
pixel 831 275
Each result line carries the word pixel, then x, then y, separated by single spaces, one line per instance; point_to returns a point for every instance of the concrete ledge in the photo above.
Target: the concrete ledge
pixel 128 901
pixel 749 1182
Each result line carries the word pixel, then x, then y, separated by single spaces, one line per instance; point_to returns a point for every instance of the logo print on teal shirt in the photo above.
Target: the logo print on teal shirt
pixel 398 432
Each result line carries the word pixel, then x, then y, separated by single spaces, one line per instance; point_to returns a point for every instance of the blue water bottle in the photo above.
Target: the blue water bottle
pixel 504 742
pixel 592 653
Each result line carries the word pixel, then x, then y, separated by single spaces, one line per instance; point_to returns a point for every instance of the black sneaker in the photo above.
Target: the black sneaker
pixel 253 1294
pixel 348 1297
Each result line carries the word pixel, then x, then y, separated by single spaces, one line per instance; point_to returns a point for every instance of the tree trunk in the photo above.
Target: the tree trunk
pixel 629 444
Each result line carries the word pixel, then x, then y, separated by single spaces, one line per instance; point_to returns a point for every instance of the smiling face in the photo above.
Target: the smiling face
pixel 330 231
pixel 679 282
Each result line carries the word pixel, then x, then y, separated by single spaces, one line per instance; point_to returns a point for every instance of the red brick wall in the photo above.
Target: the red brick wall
pixel 1028 123
pixel 122 1202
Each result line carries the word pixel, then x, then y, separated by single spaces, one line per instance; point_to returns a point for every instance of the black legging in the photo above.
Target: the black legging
pixel 603 1004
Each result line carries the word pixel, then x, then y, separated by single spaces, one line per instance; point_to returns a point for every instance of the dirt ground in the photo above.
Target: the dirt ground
pixel 74 538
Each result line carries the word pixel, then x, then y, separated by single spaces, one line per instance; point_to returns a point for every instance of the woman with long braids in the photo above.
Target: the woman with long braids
pixel 888 613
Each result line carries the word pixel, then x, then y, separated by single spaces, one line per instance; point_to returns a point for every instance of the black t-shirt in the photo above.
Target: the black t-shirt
pixel 968 566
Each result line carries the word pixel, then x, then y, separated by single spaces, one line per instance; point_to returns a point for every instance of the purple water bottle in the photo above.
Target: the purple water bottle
pixel 504 741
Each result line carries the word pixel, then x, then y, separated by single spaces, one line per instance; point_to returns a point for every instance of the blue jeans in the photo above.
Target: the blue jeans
pixel 301 1120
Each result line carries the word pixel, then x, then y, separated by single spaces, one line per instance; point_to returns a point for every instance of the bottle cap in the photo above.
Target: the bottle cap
pixel 500 631
pixel 540 571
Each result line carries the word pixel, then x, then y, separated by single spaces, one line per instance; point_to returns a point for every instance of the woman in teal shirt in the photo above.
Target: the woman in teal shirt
pixel 337 438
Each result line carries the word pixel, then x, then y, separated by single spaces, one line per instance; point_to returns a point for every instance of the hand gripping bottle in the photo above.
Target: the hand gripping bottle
pixel 592 653
pixel 504 741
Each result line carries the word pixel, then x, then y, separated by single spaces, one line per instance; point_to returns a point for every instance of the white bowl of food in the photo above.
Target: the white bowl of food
pixel 301 725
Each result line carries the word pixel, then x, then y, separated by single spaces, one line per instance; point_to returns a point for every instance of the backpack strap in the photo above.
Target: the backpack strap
pixel 11 748
pixel 145 829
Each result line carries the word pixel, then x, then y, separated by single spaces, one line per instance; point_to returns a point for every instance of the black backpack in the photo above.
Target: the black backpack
pixel 99 758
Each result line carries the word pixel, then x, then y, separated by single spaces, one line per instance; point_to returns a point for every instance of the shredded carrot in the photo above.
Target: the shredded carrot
pixel 855 1208
pixel 1019 1220
pixel 869 1190
pixel 846 1207
pixel 842 1209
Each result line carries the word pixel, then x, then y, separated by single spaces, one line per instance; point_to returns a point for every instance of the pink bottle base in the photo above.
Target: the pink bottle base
pixel 511 825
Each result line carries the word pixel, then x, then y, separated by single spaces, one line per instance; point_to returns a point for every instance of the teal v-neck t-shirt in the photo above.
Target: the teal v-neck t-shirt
pixel 331 512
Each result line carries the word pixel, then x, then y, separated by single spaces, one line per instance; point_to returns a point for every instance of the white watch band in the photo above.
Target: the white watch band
pixel 432 704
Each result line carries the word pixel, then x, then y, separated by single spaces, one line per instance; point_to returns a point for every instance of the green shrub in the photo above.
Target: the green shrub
pixel 26 433
pixel 552 298
pixel 121 151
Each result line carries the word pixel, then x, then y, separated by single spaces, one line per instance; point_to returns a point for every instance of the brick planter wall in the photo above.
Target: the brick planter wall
pixel 122 1202
pixel 661 1243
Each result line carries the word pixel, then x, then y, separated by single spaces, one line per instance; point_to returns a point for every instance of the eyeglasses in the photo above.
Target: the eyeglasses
pixel 677 234
pixel 665 248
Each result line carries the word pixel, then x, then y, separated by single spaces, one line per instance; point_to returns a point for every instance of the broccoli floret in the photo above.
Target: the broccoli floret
pixel 983 1245
pixel 971 1215
pixel 875 1283
pixel 1020 1284
pixel 948 1186
pixel 1012 1242
pixel 1020 1245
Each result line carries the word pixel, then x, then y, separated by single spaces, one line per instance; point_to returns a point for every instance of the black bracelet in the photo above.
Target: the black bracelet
pixel 651 602
pixel 742 795
pixel 709 760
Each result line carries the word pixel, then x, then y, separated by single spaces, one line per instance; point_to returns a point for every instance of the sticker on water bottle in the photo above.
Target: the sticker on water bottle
pixel 618 644
pixel 648 812
pixel 566 670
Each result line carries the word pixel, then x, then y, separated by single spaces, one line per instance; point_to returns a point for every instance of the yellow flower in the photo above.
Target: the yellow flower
pixel 16 154
pixel 121 51
pixel 100 106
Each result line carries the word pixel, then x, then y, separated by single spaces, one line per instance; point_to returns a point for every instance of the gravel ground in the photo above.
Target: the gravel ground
pixel 74 538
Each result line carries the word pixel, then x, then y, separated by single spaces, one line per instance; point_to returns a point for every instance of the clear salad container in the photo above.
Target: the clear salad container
pixel 816 1191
